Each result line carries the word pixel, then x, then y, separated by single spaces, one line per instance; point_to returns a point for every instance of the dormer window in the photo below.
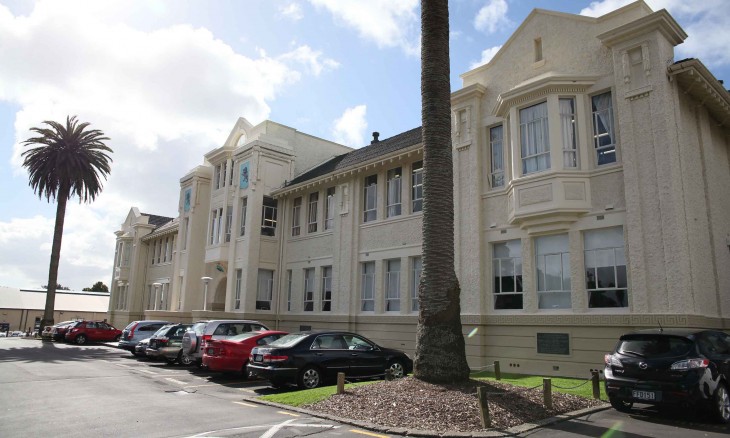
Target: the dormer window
pixel 534 138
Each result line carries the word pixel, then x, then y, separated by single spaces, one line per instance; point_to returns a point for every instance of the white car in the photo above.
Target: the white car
pixel 194 339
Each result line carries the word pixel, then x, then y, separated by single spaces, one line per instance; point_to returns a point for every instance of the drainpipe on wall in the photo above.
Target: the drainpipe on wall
pixel 277 310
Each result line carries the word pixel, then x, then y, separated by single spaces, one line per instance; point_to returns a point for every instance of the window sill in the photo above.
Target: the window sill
pixel 310 236
pixel 392 220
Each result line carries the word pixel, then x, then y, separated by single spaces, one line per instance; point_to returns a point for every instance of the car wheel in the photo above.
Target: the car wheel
pixel 244 371
pixel 620 404
pixel 170 361
pixel 184 359
pixel 117 338
pixel 80 340
pixel 722 404
pixel 397 369
pixel 310 377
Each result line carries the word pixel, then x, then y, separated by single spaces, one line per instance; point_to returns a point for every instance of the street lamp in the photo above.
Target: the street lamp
pixel 205 292
pixel 157 288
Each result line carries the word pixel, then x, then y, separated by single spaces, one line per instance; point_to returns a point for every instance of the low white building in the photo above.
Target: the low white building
pixel 590 170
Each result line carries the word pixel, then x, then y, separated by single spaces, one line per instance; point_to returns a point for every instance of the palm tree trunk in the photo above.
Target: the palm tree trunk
pixel 440 349
pixel 62 198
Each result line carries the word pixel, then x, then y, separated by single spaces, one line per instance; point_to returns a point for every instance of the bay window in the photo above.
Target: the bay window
pixel 604 138
pixel 534 138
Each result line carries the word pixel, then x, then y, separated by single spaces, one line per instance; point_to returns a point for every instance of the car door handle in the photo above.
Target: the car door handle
pixel 354 354
pixel 320 354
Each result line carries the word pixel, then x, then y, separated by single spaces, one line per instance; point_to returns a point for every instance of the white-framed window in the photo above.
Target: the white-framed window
pixel 216 226
pixel 231 173
pixel 309 289
pixel 534 138
pixel 417 186
pixel 159 251
pixel 219 176
pixel 150 298
pixel 392 285
pixel 367 293
pixel 229 222
pixel 329 209
pixel 462 126
pixel 393 188
pixel 553 272
pixel 312 213
pixel 180 293
pixel 605 263
pixel 296 211
pixel 118 254
pixel 268 217
pixel 242 225
pixel 237 297
pixel 416 270
pixel 507 272
pixel 265 289
pixel 604 138
pixel 288 290
pixel 164 296
pixel 327 288
pixel 370 199
pixel 496 150
pixel 567 126
pixel 126 251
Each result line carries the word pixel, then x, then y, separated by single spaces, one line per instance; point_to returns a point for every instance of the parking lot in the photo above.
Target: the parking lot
pixel 59 389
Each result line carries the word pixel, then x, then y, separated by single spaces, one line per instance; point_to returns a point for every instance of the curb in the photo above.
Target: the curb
pixel 512 431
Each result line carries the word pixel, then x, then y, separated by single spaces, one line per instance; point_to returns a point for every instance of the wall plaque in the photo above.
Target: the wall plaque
pixel 553 343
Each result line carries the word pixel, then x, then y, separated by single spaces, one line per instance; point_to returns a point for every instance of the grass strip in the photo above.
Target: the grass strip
pixel 307 396
pixel 528 381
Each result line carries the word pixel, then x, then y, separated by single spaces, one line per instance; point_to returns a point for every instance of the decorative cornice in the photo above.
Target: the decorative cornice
pixel 535 88
pixel 592 319
pixel 658 21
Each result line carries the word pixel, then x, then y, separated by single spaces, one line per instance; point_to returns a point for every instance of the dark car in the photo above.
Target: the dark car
pixel 310 359
pixel 680 367
pixel 58 331
pixel 166 344
pixel 94 331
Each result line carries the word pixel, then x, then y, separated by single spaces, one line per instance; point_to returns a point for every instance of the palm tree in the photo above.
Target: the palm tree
pixel 64 161
pixel 440 350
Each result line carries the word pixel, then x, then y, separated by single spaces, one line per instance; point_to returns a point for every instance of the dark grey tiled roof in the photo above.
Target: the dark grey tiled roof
pixel 157 221
pixel 367 153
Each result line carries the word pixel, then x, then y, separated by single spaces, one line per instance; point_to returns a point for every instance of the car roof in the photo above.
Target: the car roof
pixel 685 332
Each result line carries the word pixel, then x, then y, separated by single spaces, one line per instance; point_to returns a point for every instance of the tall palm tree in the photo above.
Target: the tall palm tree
pixel 440 350
pixel 65 161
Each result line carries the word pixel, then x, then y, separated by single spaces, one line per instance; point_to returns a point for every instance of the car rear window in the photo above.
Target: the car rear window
pixel 129 326
pixel 654 346
pixel 288 340
pixel 243 336
pixel 199 328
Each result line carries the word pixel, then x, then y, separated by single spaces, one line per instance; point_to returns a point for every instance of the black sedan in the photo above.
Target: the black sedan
pixel 688 368
pixel 310 359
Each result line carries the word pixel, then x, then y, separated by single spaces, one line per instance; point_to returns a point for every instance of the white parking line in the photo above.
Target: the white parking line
pixel 148 372
pixel 179 382
pixel 246 404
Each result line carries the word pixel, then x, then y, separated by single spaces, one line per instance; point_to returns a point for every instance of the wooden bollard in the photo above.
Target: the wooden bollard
pixel 547 393
pixel 484 407
pixel 497 372
pixel 596 385
pixel 340 383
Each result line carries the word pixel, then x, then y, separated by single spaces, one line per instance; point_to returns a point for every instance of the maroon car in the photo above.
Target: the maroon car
pixel 92 331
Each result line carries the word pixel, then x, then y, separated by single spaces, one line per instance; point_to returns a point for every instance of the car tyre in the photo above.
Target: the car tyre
pixel 184 359
pixel 621 405
pixel 117 338
pixel 397 369
pixel 80 340
pixel 244 371
pixel 170 361
pixel 310 378
pixel 722 404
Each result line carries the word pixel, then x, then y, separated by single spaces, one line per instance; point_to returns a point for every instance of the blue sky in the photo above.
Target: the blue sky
pixel 166 80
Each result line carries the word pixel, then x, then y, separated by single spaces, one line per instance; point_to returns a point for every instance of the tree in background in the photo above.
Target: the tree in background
pixel 58 287
pixel 63 161
pixel 440 348
pixel 97 287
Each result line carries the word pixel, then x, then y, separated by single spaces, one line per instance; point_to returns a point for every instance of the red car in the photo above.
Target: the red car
pixel 85 331
pixel 232 354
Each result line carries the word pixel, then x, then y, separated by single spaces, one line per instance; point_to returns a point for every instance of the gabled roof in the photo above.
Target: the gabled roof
pixel 362 155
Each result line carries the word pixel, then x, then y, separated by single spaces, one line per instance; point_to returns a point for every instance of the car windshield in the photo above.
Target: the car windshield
pixel 288 340
pixel 243 336
pixel 162 330
pixel 654 346
pixel 199 328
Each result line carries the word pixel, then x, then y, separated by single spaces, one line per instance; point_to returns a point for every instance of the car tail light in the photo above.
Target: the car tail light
pixel 206 338
pixel 272 358
pixel 131 331
pixel 689 364
pixel 162 340
pixel 612 360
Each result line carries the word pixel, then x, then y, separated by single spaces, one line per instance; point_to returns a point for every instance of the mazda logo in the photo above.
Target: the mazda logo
pixel 643 365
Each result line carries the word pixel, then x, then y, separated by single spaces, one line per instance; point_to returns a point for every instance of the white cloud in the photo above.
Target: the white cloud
pixel 311 59
pixel 707 28
pixel 492 17
pixel 163 96
pixel 387 23
pixel 350 128
pixel 487 55
pixel 292 11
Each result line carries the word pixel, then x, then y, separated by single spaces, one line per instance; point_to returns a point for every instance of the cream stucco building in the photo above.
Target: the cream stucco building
pixel 590 176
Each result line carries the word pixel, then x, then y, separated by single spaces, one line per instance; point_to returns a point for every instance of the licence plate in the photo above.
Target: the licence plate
pixel 258 358
pixel 644 395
